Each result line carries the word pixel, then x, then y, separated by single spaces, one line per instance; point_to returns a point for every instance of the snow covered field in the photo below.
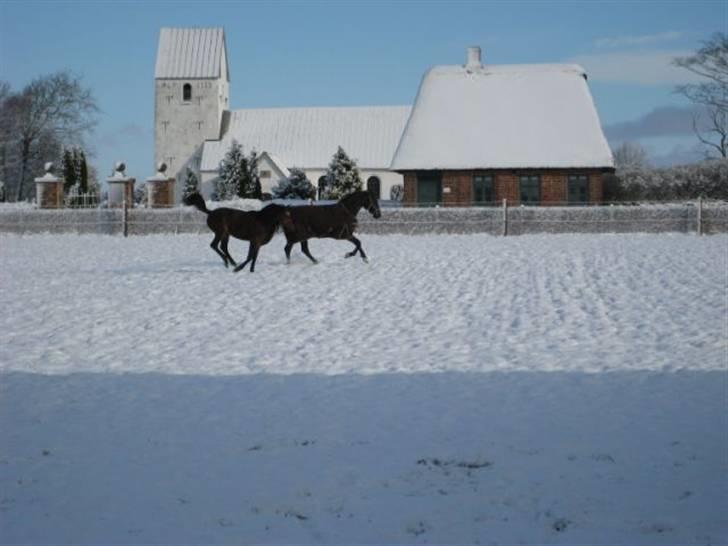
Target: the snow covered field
pixel 456 389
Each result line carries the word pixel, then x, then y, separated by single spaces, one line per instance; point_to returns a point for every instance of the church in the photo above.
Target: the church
pixel 476 134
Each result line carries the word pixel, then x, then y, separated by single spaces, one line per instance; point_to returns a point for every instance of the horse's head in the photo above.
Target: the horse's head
pixel 372 205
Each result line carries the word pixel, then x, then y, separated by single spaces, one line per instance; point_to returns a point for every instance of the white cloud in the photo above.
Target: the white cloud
pixel 661 121
pixel 642 67
pixel 631 41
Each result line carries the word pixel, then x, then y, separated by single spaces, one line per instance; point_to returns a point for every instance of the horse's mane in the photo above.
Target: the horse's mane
pixel 352 196
pixel 268 213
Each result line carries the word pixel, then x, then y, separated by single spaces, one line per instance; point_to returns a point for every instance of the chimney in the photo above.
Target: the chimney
pixel 474 58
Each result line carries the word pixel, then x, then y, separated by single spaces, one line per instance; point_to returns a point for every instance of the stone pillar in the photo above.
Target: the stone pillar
pixel 121 187
pixel 160 188
pixel 49 189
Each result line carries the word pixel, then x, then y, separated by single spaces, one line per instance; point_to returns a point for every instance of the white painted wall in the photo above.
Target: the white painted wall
pixel 387 179
pixel 181 126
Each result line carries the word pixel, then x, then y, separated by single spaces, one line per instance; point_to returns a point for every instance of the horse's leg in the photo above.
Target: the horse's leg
pixel 358 249
pixel 250 257
pixel 224 246
pixel 289 246
pixel 304 249
pixel 213 246
pixel 255 248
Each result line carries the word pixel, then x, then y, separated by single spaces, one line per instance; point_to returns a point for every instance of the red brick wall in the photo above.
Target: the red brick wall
pixel 596 187
pixel 506 187
pixel 50 194
pixel 460 184
pixel 161 193
pixel 554 186
pixel 410 189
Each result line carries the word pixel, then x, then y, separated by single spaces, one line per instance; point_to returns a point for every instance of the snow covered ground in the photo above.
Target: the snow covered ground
pixel 456 389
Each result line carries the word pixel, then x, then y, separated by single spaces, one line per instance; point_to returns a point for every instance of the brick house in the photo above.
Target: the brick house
pixel 479 134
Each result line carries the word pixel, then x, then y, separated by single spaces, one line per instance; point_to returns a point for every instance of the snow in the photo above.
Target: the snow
pixel 500 117
pixel 307 137
pixel 456 389
pixel 191 53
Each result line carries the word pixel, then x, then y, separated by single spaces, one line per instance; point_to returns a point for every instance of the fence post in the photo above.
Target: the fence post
pixel 505 217
pixel 700 215
pixel 125 218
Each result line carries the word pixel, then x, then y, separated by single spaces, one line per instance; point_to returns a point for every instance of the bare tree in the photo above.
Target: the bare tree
pixel 711 63
pixel 630 155
pixel 714 133
pixel 34 122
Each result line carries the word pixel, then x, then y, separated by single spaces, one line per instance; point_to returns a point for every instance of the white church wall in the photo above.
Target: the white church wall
pixel 269 173
pixel 207 183
pixel 181 126
pixel 387 179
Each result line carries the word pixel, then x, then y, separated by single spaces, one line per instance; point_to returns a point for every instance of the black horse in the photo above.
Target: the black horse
pixel 337 221
pixel 258 227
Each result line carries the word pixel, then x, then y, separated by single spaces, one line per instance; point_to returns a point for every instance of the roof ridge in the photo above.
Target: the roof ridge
pixel 362 107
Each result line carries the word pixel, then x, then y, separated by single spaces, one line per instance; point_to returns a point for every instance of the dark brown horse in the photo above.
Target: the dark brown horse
pixel 337 221
pixel 258 227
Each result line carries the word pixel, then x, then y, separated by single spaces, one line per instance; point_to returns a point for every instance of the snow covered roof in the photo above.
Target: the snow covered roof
pixel 509 116
pixel 309 137
pixel 191 53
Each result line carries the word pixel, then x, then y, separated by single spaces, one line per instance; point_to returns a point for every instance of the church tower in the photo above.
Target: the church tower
pixel 191 94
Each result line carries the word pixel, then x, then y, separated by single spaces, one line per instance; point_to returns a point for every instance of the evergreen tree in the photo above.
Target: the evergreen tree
pixel 295 186
pixel 250 187
pixel 68 170
pixel 342 176
pixel 238 175
pixel 83 187
pixel 230 172
pixel 191 183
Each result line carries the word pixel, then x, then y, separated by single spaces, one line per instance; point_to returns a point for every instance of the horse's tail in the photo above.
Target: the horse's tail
pixel 196 200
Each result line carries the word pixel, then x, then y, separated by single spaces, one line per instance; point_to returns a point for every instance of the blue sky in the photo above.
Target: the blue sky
pixel 314 53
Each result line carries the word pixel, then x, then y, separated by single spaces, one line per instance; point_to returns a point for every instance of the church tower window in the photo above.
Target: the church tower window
pixel 187 92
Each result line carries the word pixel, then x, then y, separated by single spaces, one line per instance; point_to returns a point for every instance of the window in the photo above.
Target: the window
pixel 374 186
pixel 322 187
pixel 530 189
pixel 578 188
pixel 187 92
pixel 265 174
pixel 429 188
pixel 483 193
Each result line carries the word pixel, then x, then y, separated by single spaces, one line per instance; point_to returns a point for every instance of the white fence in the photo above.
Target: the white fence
pixel 683 217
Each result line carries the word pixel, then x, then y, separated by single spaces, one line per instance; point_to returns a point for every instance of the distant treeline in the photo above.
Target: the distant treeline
pixel 708 179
